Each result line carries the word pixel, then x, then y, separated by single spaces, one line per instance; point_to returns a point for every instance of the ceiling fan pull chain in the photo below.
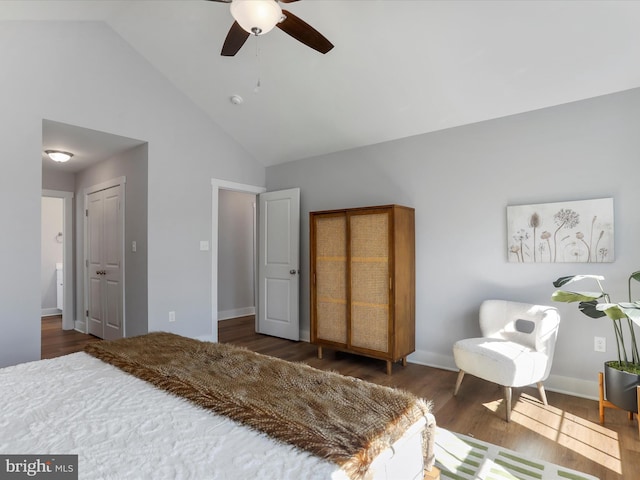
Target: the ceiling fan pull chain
pixel 257 88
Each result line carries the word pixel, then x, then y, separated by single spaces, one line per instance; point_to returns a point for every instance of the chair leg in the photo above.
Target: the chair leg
pixel 458 382
pixel 543 395
pixel 507 401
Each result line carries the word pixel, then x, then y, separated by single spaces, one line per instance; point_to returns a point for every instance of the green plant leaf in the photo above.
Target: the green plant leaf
pixel 613 310
pixel 569 297
pixel 562 281
pixel 631 310
pixel 574 278
pixel 590 309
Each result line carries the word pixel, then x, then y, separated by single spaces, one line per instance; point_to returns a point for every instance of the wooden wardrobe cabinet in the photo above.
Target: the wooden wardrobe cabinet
pixel 363 281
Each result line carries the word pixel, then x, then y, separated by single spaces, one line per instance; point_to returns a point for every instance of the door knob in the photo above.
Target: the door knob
pixel 293 272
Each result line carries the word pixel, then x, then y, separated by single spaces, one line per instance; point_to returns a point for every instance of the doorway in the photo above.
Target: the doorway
pixel 236 254
pixel 217 186
pixel 276 276
pixel 63 237
pixel 97 157
pixel 51 256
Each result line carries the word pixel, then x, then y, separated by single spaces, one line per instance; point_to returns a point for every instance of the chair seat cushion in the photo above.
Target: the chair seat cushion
pixel 500 361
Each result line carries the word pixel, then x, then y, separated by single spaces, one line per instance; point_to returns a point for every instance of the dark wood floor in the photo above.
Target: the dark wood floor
pixel 56 342
pixel 566 432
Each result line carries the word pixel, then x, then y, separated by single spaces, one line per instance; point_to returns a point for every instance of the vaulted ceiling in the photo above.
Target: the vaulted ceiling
pixel 399 67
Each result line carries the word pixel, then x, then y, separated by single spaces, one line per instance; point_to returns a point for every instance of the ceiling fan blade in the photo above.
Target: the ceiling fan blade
pixel 223 1
pixel 234 41
pixel 303 32
pixel 288 1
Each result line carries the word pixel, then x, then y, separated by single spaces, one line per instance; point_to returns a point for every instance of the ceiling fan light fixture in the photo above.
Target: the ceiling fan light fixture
pixel 256 16
pixel 58 155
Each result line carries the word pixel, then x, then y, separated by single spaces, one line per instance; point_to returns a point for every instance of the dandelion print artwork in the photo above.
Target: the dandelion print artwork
pixel 580 231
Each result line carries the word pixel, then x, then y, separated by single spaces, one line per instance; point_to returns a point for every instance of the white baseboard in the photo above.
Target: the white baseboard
pixel 80 326
pixel 572 386
pixel 206 338
pixel 305 336
pixel 50 312
pixel 430 359
pixel 236 312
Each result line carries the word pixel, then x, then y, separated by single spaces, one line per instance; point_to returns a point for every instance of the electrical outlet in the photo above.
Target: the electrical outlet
pixel 172 316
pixel 599 344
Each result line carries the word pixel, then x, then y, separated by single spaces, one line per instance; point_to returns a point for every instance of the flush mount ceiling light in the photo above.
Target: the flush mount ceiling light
pixel 256 16
pixel 58 155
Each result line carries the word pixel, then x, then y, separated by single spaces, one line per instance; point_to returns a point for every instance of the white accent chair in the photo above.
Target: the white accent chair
pixel 516 347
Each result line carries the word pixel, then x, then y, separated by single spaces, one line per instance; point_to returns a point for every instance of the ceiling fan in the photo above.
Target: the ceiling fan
pixel 257 17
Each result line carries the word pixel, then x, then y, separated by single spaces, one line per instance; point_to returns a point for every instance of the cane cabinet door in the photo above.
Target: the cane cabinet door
pixel 330 267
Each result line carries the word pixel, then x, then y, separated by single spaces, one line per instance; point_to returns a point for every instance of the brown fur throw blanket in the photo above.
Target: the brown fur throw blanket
pixel 342 419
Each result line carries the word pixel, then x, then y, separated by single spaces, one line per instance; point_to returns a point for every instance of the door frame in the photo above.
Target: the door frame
pixel 68 322
pixel 83 325
pixel 216 186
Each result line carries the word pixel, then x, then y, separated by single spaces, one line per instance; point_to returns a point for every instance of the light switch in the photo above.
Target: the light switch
pixel 204 245
pixel 134 246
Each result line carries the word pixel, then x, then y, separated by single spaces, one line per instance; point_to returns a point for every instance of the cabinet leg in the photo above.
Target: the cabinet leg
pixel 389 367
pixel 320 353
pixel 404 361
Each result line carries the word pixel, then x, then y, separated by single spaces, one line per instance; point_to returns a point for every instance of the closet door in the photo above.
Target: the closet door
pixel 370 280
pixel 95 263
pixel 330 282
pixel 104 263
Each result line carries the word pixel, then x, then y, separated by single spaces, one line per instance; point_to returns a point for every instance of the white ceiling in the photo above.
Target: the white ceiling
pixel 399 67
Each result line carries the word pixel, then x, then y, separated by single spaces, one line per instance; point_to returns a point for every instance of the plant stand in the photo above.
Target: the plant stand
pixel 434 474
pixel 603 403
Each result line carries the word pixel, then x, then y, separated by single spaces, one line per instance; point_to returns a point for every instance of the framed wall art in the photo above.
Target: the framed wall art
pixel 579 231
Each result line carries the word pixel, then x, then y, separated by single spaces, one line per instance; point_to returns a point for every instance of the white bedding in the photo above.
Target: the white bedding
pixel 123 428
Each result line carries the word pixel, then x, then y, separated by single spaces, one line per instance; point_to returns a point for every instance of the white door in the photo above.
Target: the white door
pixel 104 263
pixel 279 264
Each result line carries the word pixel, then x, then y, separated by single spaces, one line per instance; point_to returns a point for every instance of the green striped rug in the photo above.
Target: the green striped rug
pixel 463 458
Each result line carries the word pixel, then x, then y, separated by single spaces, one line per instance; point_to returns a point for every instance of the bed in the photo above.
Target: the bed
pixel 178 408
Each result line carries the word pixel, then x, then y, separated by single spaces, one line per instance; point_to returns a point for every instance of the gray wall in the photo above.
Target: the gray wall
pixel 131 164
pixel 108 87
pixel 58 180
pixel 235 254
pixel 460 181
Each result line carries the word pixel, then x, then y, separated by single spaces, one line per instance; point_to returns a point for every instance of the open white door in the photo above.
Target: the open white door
pixel 279 264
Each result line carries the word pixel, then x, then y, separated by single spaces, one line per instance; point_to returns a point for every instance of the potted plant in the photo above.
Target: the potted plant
pixel 622 375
